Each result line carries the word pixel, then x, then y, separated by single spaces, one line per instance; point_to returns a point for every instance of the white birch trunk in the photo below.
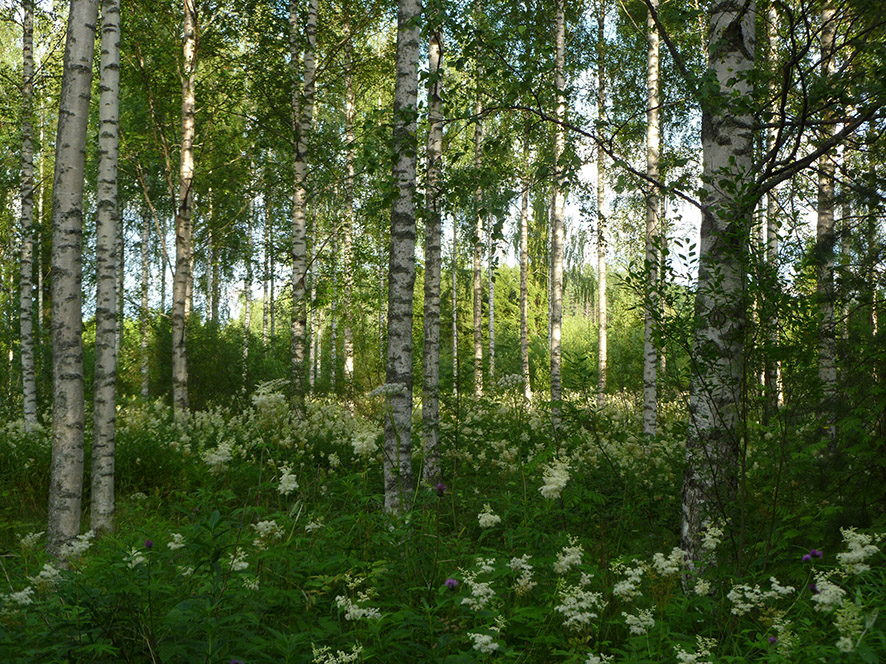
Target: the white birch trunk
pixel 302 117
pixel 477 282
pixel 825 237
pixel 602 317
pixel 145 312
pixel 524 276
pixel 716 385
pixel 557 230
pixel 771 370
pixel 431 349
pixel 455 385
pixel 26 298
pixel 66 472
pixel 490 278
pixel 653 229
pixel 181 278
pixel 266 249
pixel 348 230
pixel 41 192
pixel 398 478
pixel 247 295
pixel 107 258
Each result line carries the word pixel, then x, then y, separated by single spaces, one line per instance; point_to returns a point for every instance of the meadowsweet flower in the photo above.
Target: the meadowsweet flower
pixel 315 524
pixel 711 538
pixel 702 650
pixel 288 482
pixel 860 549
pixel 46 578
pixel 641 623
pixel 556 476
pixel 702 587
pixel 744 599
pixel 779 590
pixel 524 582
pixel 21 598
pixel 569 557
pixel 326 655
pixel 30 540
pixel 599 659
pixel 217 458
pixel 849 621
pixel 829 595
pixel 670 565
pixel 77 546
pixel 266 532
pixel 364 444
pixel 481 592
pixel 353 610
pixel 177 542
pixel 627 588
pixel 578 605
pixel 135 558
pixel 483 642
pixel 238 561
pixel 251 584
pixel 487 517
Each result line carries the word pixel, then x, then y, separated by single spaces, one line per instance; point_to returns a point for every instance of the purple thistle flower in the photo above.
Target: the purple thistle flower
pixel 440 488
pixel 148 544
pixel 814 588
pixel 773 639
pixel 815 553
pixel 806 558
pixel 451 583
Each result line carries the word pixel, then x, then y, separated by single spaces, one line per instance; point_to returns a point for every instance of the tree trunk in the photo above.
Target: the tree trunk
pixel 66 472
pixel 144 321
pixel 653 229
pixel 107 257
pixel 490 278
pixel 524 275
pixel 455 385
pixel 41 192
pixel 825 238
pixel 431 349
pixel 348 230
pixel 716 385
pixel 26 299
pixel 185 201
pixel 266 249
pixel 602 318
pixel 477 282
pixel 247 295
pixel 271 294
pixel 333 319
pixel 401 272
pixel 302 117
pixel 557 230
pixel 771 370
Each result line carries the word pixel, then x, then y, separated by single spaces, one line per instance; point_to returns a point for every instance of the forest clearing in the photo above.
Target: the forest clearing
pixel 356 331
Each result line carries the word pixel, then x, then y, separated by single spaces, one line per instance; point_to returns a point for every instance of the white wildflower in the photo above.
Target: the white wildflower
pixel 266 532
pixel 849 621
pixel 46 578
pixel 364 444
pixel 326 655
pixel 177 542
pixel 313 525
pixel 667 566
pixel 702 587
pixel 353 610
pixel 578 605
pixel 238 561
pixel 217 458
pixel 30 540
pixel 556 476
pixel 599 659
pixel 702 650
pixel 21 598
pixel 135 558
pixel 483 642
pixel 829 594
pixel 860 549
pixel 627 588
pixel 334 461
pixel 487 517
pixel 779 590
pixel 77 546
pixel 569 557
pixel 845 644
pixel 481 592
pixel 641 623
pixel 251 584
pixel 288 483
pixel 711 538
pixel 524 583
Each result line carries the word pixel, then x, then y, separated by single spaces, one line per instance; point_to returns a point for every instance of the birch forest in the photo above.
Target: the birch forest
pixel 529 331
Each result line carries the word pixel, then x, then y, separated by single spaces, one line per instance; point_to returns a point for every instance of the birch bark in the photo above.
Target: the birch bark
pixel 524 276
pixel 717 384
pixel 348 230
pixel 26 298
pixel 398 478
pixel 557 230
pixel 66 471
pixel 145 313
pixel 602 316
pixel 477 282
pixel 107 258
pixel 431 349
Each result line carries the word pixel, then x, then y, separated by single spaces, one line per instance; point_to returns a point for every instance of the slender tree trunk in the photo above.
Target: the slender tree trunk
pixel 348 230
pixel 313 313
pixel 653 229
pixel 41 192
pixel 26 299
pixel 477 282
pixel 247 295
pixel 825 238
pixel 771 380
pixel 398 476
pixel 431 348
pixel 455 385
pixel 602 317
pixel 271 294
pixel 524 275
pixel 107 257
pixel 302 117
pixel 557 230
pixel 490 277
pixel 183 212
pixel 66 472
pixel 145 312
pixel 716 386
pixel 333 319
pixel 266 249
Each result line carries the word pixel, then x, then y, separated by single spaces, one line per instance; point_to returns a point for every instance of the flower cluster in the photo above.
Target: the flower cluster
pixel 487 517
pixel 628 587
pixel 860 549
pixel 483 642
pixel 288 483
pixel 556 475
pixel 578 605
pixel 670 565
pixel 176 542
pixel 524 582
pixel 325 655
pixel 481 591
pixel 569 557
pixel 77 546
pixel 218 458
pixel 266 532
pixel 640 624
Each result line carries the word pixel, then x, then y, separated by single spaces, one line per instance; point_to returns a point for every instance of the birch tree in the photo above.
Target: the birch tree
pixel 602 317
pixel 184 204
pixel 653 134
pixel 431 350
pixel 477 278
pixel 716 385
pixel 26 298
pixel 557 231
pixel 524 274
pixel 66 471
pixel 398 478
pixel 302 117
pixel 107 257
pixel 348 229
